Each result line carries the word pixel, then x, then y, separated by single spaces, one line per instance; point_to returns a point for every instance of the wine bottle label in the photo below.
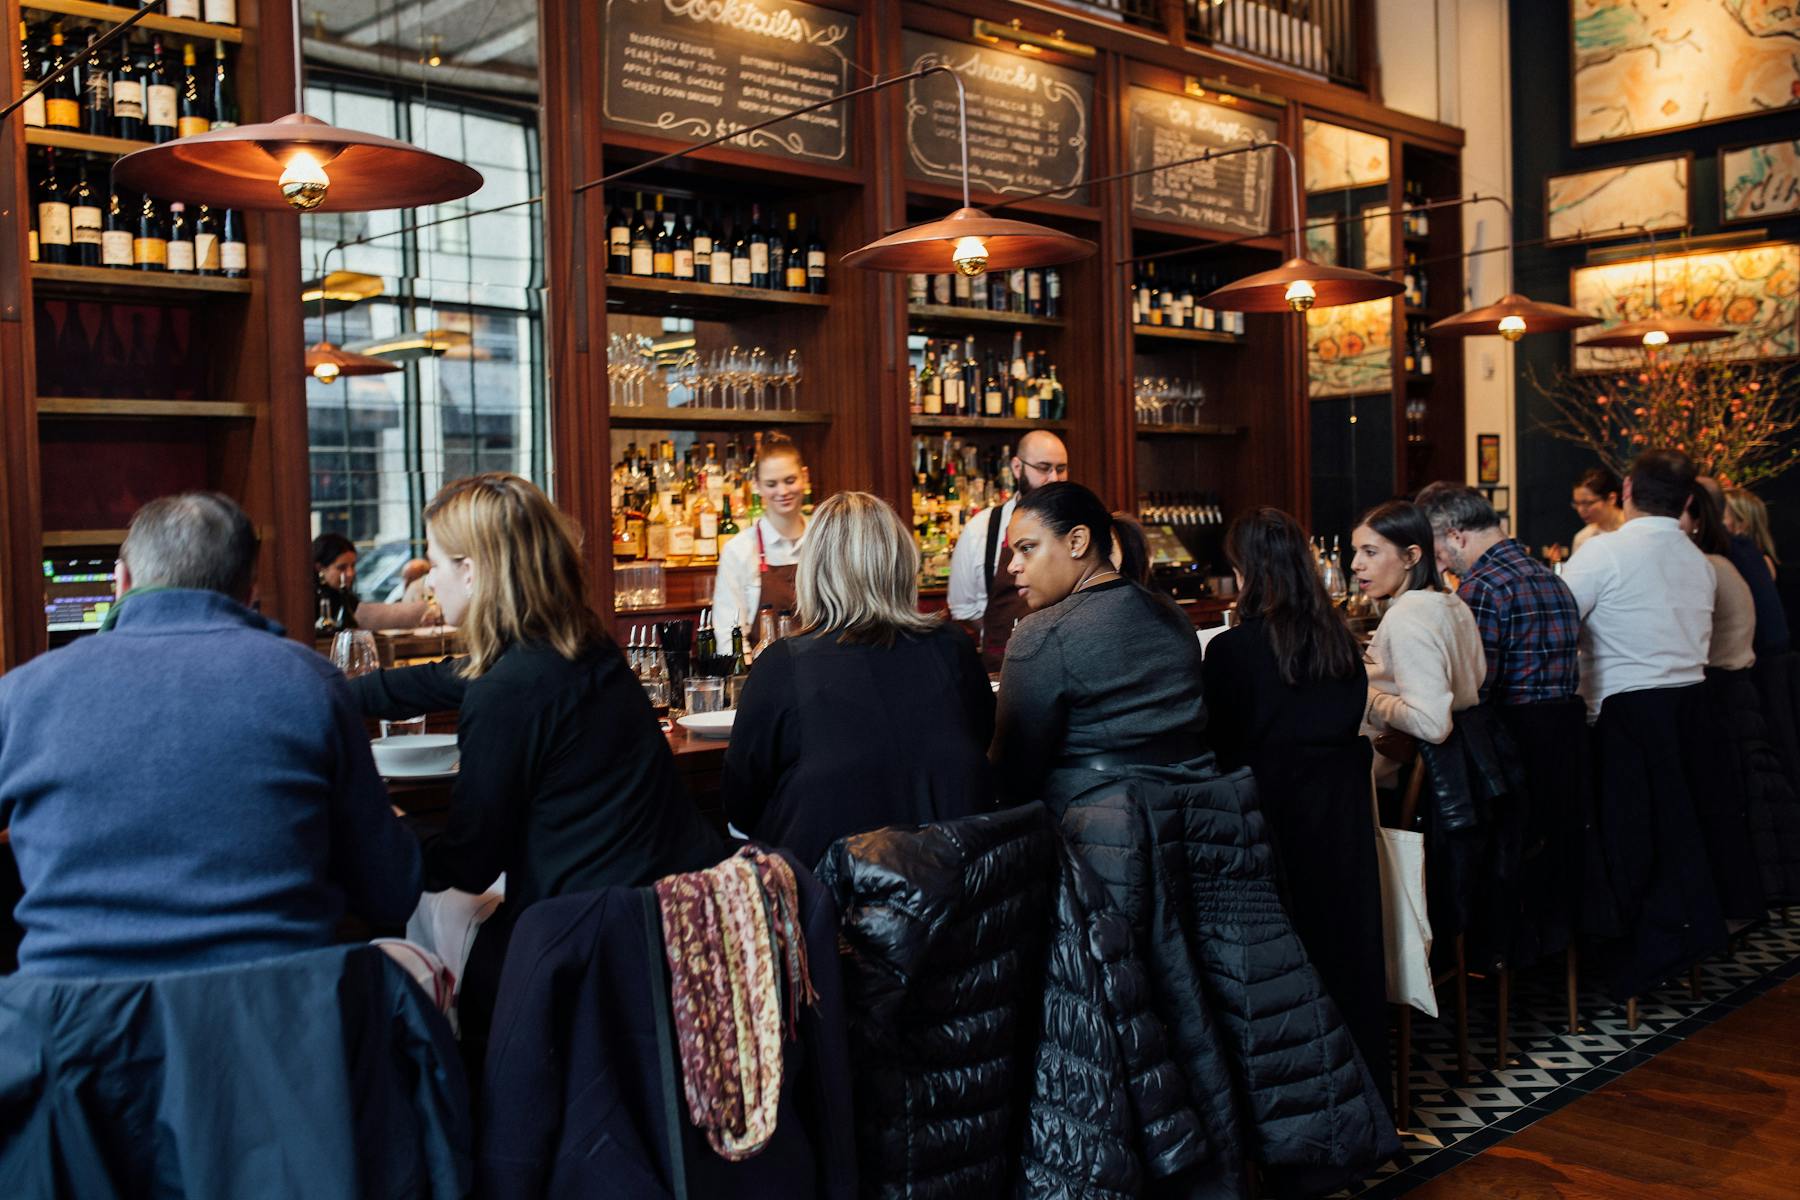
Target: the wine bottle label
pixel 34 111
pixel 84 223
pixel 759 258
pixel 53 223
pixel 185 9
pixel 709 525
pixel 1034 286
pixel 115 248
pixel 206 251
pixel 681 541
pixel 619 238
pixel 98 86
pixel 796 277
pixel 188 126
pixel 159 102
pixel 234 256
pixel 815 264
pixel 643 260
pixel 181 256
pixel 916 289
pixel 221 12
pixel 960 289
pixel 128 99
pixel 740 271
pixel 721 266
pixel 149 252
pixel 705 547
pixel 940 289
pixel 62 114
pixel 684 264
pixel 703 247
pixel 31 244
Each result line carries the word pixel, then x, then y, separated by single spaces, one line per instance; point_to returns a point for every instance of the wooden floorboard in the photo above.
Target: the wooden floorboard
pixel 1717 1115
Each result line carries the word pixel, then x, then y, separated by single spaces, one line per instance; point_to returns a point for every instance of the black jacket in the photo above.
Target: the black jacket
pixel 1740 776
pixel 1775 814
pixel 1552 737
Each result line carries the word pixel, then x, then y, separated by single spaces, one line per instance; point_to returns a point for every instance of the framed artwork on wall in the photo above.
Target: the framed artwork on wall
pixel 1487 458
pixel 1592 205
pixel 1378 237
pixel 1350 348
pixel 1322 243
pixel 1754 290
pixel 1759 181
pixel 1337 157
pixel 1642 69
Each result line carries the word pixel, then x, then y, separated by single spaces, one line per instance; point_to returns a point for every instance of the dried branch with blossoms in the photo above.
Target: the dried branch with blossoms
pixel 1735 419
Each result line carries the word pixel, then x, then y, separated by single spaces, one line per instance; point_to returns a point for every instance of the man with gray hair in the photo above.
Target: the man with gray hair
pixel 1529 623
pixel 188 788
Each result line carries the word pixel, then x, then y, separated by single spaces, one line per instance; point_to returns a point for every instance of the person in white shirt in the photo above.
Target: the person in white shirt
pixel 1645 592
pixel 981 586
pixel 756 568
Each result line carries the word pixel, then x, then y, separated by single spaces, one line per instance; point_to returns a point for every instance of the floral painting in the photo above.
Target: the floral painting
pixel 1755 291
pixel 1645 68
pixel 1322 243
pixel 1759 181
pixel 1351 348
pixel 1378 238
pixel 1342 158
pixel 1592 204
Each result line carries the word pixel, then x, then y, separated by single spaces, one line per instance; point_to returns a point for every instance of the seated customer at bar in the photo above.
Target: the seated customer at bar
pixel 566 781
pixel 1102 672
pixel 189 788
pixel 875 714
pixel 1747 545
pixel 1733 645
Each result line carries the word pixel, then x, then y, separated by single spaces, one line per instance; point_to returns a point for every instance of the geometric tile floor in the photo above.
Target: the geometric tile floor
pixel 1548 1067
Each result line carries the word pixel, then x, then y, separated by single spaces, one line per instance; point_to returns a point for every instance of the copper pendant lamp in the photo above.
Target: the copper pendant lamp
pixel 326 361
pixel 411 345
pixel 296 163
pixel 1512 317
pixel 1655 330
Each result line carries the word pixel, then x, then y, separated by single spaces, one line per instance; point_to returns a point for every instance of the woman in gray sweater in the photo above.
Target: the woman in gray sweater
pixel 1102 674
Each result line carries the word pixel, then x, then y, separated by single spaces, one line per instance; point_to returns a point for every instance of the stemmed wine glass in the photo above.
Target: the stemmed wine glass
pixel 354 653
pixel 758 370
pixel 791 375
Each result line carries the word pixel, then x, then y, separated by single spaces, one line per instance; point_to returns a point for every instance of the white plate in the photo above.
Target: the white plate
pixel 709 725
pixel 415 776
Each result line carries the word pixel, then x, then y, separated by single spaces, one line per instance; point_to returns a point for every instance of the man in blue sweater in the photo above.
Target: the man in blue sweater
pixel 189 788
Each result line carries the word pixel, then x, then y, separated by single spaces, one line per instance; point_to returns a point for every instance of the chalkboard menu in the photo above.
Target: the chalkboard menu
pixel 1029 122
pixel 694 69
pixel 1230 195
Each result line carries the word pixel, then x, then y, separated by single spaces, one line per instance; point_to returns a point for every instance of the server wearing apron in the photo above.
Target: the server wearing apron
pixel 982 594
pixel 756 569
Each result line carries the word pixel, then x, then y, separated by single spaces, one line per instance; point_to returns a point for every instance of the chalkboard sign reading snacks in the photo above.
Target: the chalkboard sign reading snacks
pixel 1029 121
pixel 695 69
pixel 1230 195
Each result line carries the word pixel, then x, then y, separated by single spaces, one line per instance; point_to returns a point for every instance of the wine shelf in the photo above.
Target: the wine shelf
pixel 1168 333
pixel 64 139
pixel 97 407
pixel 1191 431
pixel 945 316
pixel 56 277
pixel 658 417
pixel 685 297
pixel 920 421
pixel 1420 312
pixel 112 14
pixel 57 539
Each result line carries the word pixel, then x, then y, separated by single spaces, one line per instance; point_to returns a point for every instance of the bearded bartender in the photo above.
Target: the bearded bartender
pixel 756 568
pixel 982 594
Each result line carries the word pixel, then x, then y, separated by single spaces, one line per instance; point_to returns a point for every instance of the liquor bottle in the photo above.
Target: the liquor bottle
pixel 1410 363
pixel 1424 354
pixel 951 374
pixel 656 530
pixel 115 235
pixel 700 239
pixel 662 246
pixel 971 378
pixel 741 262
pixel 1034 388
pixel 1056 401
pixel 224 92
pixel 618 239
pixel 1052 292
pixel 55 238
pixel 728 528
pixel 62 103
pixel 219 12
pixel 181 240
pixel 815 257
pixel 160 108
pixel 234 255
pixel 778 257
pixel 993 395
pixel 1034 293
pixel 127 94
pixel 918 289
pixel 192 114
pixel 643 247
pixel 706 530
pixel 31 70
pixel 931 388
pixel 758 249
pixel 85 218
pixel 1146 282
pixel 206 241
pixel 681 244
pixel 96 89
pixel 187 10
pixel 150 244
pixel 721 255
pixel 681 536
pixel 796 257
pixel 740 666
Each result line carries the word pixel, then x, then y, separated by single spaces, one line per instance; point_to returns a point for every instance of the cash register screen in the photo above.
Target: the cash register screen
pixel 77 592
pixel 1165 546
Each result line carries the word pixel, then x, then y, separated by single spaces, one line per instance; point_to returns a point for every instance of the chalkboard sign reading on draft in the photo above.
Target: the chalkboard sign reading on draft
pixel 1029 122
pixel 695 69
pixel 1230 195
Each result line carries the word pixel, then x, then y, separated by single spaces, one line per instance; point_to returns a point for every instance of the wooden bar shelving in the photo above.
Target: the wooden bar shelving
pixel 56 539
pixel 112 14
pixel 686 297
pixel 63 139
pixel 680 417
pixel 57 278
pixel 102 407
pixel 1192 431
pixel 939 423
pixel 948 316
pixel 1168 333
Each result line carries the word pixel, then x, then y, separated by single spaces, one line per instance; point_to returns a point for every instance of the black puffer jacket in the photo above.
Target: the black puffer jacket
pixel 1108 1107
pixel 942 941
pixel 1775 818
pixel 1184 854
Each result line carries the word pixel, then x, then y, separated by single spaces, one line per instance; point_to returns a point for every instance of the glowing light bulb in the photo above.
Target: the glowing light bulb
pixel 970 255
pixel 1512 328
pixel 326 372
pixel 1656 337
pixel 1300 295
pixel 304 182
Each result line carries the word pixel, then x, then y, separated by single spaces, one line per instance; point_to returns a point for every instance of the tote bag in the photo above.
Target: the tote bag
pixel 1406 931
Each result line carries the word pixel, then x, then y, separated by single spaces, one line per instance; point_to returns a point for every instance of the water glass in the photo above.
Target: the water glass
pixel 353 652
pixel 406 728
pixel 705 694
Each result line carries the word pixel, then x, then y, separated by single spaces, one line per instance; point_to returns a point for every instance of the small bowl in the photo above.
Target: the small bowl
pixel 415 754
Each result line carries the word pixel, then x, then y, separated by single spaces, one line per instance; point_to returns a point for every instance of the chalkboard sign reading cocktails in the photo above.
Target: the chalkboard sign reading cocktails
pixel 1029 122
pixel 695 69
pixel 1230 195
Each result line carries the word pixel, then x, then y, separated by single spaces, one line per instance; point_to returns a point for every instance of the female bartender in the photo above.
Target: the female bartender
pixel 756 568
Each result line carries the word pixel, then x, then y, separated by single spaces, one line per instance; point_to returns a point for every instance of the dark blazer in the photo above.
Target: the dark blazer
pixel 832 740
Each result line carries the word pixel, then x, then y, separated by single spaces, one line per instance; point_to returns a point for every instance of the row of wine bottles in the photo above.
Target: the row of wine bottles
pixel 76 223
pixel 1171 302
pixel 953 380
pixel 706 248
pixel 1031 291
pixel 129 90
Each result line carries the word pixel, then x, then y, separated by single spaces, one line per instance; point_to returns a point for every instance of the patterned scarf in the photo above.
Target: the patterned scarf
pixel 733 942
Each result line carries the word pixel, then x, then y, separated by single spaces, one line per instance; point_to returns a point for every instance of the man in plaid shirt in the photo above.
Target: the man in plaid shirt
pixel 1527 616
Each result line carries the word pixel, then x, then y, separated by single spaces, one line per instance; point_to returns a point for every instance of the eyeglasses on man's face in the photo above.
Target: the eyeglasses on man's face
pixel 1059 470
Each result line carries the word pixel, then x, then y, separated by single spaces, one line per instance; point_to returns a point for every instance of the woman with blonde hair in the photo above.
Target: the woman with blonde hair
pixel 874 714
pixel 1747 516
pixel 566 783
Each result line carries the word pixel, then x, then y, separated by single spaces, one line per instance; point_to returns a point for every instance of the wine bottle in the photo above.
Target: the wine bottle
pixel 150 244
pixel 234 255
pixel 181 240
pixel 115 235
pixel 700 238
pixel 931 388
pixel 127 94
pixel 85 218
pixel 758 241
pixel 160 109
pixel 1052 292
pixel 30 71
pixel 618 239
pixel 796 257
pixel 191 113
pixel 662 250
pixel 96 89
pixel 682 243
pixel 721 255
pixel 62 103
pixel 206 241
pixel 993 395
pixel 219 12
pixel 741 274
pixel 778 258
pixel 186 10
pixel 643 245
pixel 55 238
pixel 224 93
pixel 952 385
pixel 728 528
pixel 815 258
pixel 1034 293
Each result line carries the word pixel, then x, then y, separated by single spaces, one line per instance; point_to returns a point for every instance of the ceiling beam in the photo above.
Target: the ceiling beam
pixel 394 26
pixel 497 45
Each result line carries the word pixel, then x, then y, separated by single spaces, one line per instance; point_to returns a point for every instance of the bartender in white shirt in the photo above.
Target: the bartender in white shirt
pixel 981 586
pixel 756 568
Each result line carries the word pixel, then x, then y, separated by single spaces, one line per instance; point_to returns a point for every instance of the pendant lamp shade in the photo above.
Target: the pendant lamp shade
pixel 296 163
pixel 1299 284
pixel 325 362
pixel 969 241
pixel 1512 317
pixel 410 345
pixel 1656 330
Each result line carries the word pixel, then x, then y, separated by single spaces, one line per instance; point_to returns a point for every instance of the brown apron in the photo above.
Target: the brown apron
pixel 778 591
pixel 1004 604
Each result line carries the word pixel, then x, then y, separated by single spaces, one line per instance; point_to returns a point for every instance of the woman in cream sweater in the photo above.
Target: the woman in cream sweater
pixel 1425 661
pixel 1733 645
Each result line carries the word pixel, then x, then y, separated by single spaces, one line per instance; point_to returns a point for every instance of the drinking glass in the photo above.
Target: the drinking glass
pixel 406 728
pixel 791 375
pixel 735 378
pixel 757 368
pixel 353 652
pixel 704 694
